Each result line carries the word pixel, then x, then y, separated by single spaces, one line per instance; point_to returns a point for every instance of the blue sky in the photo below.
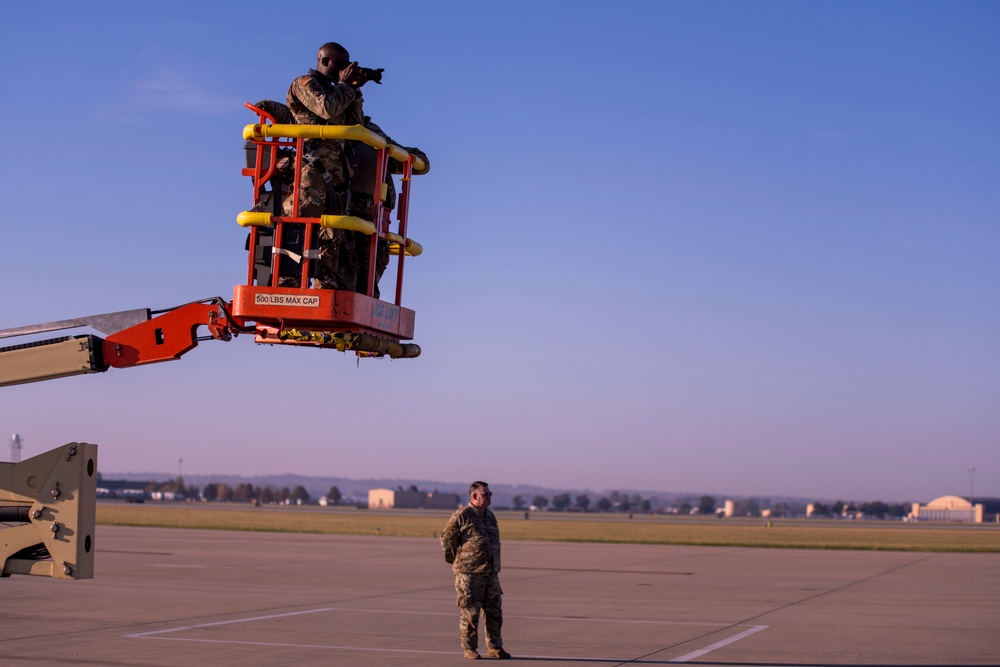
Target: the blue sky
pixel 733 248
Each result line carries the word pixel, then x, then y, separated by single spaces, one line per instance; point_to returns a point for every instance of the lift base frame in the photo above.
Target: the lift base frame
pixel 53 499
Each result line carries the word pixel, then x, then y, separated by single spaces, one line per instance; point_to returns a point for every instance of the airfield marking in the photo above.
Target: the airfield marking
pixel 180 628
pixel 285 645
pixel 719 644
pixel 158 634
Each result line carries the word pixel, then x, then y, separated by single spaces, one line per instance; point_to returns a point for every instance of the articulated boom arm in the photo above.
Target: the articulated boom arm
pixel 48 503
pixel 167 336
pixel 283 302
pixel 136 337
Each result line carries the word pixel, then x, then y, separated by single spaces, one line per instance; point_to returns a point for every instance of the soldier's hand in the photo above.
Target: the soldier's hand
pixel 352 76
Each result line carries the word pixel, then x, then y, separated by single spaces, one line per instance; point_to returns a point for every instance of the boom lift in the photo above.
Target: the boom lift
pixel 340 319
pixel 47 503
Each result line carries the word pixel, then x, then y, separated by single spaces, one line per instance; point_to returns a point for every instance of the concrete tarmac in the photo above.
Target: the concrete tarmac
pixel 191 597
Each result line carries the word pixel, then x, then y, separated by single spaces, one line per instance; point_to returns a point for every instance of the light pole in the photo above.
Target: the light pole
pixel 15 448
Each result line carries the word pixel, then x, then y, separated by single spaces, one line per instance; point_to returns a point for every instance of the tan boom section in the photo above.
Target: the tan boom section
pixel 50 359
pixel 47 513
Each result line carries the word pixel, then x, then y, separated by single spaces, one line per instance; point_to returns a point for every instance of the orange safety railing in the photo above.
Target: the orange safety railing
pixel 275 142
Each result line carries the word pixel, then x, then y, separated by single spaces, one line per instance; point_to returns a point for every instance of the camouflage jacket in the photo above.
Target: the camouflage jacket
pixel 471 541
pixel 314 99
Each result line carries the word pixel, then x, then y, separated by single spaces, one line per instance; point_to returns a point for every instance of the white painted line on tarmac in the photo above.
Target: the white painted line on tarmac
pixel 159 634
pixel 717 645
pixel 370 649
pixel 143 635
pixel 576 619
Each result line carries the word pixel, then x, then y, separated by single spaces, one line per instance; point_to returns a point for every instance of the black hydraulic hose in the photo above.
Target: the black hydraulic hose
pixel 15 514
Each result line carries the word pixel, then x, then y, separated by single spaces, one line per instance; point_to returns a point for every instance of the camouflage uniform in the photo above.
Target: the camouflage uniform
pixel 362 206
pixel 315 99
pixel 471 543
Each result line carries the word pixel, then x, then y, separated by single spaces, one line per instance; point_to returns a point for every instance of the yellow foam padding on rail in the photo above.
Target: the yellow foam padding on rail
pixel 254 219
pixel 352 132
pixel 261 219
pixel 347 222
pixel 413 249
pixel 259 132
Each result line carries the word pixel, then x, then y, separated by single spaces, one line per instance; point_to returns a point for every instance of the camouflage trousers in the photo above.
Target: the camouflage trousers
pixel 312 194
pixel 363 253
pixel 479 592
pixel 362 207
pixel 336 258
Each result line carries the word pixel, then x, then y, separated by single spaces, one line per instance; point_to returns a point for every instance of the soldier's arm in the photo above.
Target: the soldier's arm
pixel 325 104
pixel 450 538
pixel 394 166
pixel 423 156
pixel 397 168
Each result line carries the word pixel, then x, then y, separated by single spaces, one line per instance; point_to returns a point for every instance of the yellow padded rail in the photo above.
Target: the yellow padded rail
pixel 261 219
pixel 254 219
pixel 413 249
pixel 347 222
pixel 261 131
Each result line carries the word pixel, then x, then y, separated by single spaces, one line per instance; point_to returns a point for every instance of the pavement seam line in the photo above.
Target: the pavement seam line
pixel 749 621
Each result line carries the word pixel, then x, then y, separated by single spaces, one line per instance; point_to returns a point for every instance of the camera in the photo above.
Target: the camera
pixel 373 75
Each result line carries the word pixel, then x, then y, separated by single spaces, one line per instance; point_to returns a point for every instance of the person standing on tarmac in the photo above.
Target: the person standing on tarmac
pixel 471 543
pixel 327 95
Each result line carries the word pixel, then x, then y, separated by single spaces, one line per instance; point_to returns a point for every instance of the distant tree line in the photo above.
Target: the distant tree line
pixel 876 509
pixel 613 502
pixel 247 492
pixel 705 505
pixel 565 502
pixel 241 493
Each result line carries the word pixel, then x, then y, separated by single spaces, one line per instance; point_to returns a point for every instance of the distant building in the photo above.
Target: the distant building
pixel 120 488
pixel 389 499
pixel 729 509
pixel 957 509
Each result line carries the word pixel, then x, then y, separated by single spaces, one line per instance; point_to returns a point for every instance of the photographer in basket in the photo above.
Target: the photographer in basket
pixel 327 95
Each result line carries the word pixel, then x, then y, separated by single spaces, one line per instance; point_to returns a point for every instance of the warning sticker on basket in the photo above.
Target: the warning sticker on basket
pixel 299 300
